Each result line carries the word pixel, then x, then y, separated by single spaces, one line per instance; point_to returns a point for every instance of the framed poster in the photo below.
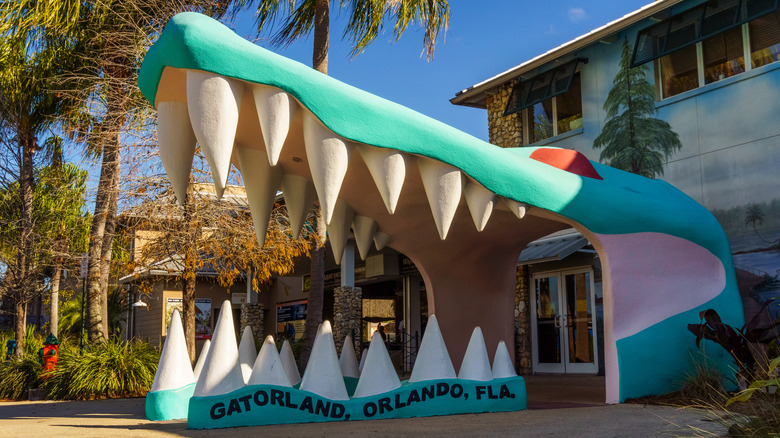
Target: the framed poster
pixel 202 316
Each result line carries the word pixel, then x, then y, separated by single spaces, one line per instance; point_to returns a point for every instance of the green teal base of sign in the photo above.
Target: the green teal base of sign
pixel 258 405
pixel 171 404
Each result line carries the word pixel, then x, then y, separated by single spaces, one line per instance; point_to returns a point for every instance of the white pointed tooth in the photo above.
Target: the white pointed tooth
pixel 433 361
pixel 364 228
pixel 299 196
pixel 247 353
pixel 338 229
pixel 443 186
pixel 213 102
pixel 348 360
pixel 476 365
pixel 480 201
pixel 323 374
pixel 388 168
pixel 204 353
pixel 381 239
pixel 288 362
pixel 221 373
pixel 518 208
pixel 177 145
pixel 275 110
pixel 328 156
pixel 261 181
pixel 378 375
pixel 268 368
pixel 502 363
pixel 174 370
pixel 363 360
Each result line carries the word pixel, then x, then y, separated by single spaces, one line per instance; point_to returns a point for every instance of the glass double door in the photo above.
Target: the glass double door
pixel 563 323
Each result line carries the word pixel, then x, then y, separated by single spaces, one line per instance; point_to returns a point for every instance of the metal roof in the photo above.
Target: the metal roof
pixel 476 94
pixel 554 247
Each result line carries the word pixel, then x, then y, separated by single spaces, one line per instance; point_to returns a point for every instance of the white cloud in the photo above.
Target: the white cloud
pixel 551 30
pixel 577 15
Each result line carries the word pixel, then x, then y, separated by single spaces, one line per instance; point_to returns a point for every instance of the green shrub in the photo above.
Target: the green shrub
pixel 109 369
pixel 19 375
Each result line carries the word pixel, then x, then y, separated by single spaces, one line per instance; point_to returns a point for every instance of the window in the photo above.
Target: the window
pixel 554 116
pixel 765 39
pixel 678 72
pixel 723 55
pixel 691 52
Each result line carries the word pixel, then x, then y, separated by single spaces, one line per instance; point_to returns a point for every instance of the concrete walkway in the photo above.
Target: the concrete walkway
pixel 125 417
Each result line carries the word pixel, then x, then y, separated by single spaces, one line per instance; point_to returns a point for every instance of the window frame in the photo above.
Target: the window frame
pixel 528 125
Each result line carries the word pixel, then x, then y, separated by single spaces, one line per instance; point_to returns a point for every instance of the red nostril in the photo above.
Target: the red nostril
pixel 568 160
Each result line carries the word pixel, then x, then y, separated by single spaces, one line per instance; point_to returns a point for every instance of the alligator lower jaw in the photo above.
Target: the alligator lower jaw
pixel 385 196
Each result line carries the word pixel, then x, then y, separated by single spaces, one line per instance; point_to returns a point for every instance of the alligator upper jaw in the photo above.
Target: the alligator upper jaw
pixel 277 143
pixel 463 238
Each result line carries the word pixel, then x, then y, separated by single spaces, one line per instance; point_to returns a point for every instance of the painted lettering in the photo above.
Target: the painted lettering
pixel 246 399
pixel 490 393
pixel 322 408
pixel 480 391
pixel 442 389
pixel 428 392
pixel 337 410
pixel 505 392
pixel 261 398
pixel 307 405
pixel 456 391
pixel 233 407
pixel 384 405
pixel 217 411
pixel 277 397
pixel 414 396
pixel 369 409
pixel 398 402
pixel 287 401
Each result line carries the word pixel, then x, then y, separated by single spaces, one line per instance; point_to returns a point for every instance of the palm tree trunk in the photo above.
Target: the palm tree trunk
pixel 22 269
pixel 54 308
pixel 317 285
pixel 109 168
pixel 106 252
pixel 321 36
pixel 19 327
pixel 190 274
pixel 316 292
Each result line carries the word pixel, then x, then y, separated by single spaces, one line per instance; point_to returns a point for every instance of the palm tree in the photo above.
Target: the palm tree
pixel 366 21
pixel 634 140
pixel 755 214
pixel 101 89
pixel 27 109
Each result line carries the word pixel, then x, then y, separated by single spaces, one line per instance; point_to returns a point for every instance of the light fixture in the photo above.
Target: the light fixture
pixel 140 303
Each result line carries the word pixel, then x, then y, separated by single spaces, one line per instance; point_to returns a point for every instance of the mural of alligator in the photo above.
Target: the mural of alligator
pixel 460 208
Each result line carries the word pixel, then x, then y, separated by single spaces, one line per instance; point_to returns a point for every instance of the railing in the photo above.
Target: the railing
pixel 410 344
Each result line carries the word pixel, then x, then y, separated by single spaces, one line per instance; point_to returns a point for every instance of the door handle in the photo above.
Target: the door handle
pixel 557 321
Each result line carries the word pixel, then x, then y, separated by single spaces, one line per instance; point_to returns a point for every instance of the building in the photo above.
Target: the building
pixel 714 69
pixel 384 288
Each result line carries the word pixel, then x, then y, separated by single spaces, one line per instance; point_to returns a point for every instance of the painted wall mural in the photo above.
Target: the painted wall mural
pixel 461 209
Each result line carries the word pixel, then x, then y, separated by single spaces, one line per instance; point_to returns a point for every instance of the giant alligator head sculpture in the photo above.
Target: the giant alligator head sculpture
pixel 460 208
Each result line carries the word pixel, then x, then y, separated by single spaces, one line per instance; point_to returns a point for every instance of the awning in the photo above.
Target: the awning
pixel 554 247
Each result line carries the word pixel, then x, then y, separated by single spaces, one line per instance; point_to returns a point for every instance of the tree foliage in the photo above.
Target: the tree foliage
pixel 365 20
pixel 632 139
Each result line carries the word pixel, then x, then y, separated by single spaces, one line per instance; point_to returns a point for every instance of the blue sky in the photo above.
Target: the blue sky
pixel 485 38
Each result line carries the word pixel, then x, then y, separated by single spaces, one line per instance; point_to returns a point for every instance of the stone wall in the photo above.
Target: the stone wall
pixel 348 316
pixel 252 315
pixel 504 131
pixel 523 352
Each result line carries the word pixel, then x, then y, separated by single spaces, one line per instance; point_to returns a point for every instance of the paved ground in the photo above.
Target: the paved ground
pixel 125 417
pixel 560 406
